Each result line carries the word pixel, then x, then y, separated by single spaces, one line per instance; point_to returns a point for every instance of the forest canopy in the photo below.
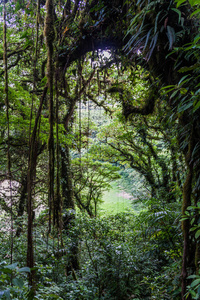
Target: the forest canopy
pixel 94 95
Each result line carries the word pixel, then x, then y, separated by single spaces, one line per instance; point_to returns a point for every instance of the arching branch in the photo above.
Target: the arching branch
pixel 129 108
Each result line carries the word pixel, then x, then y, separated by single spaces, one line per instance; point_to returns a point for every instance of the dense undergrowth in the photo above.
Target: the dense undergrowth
pixel 122 256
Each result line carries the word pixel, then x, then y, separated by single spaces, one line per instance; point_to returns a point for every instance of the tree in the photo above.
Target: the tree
pixel 91 178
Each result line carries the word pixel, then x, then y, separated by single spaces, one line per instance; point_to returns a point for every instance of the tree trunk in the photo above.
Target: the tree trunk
pixel 187 189
pixel 68 207
pixel 22 203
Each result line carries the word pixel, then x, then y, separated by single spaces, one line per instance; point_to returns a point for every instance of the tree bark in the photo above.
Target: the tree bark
pixel 68 207
pixel 50 35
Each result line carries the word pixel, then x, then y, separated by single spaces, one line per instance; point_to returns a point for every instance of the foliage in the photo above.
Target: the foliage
pixel 147 82
pixel 145 148
pixel 120 256
pixel 11 282
pixel 91 179
pixel 194 287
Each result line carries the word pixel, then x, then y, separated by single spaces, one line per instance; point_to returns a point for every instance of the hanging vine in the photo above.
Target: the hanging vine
pixel 32 166
pixel 50 35
pixel 5 60
pixel 57 201
pixel 187 193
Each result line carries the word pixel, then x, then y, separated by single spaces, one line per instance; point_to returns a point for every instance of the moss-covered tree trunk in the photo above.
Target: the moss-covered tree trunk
pixel 22 202
pixel 30 177
pixel 67 187
pixel 68 207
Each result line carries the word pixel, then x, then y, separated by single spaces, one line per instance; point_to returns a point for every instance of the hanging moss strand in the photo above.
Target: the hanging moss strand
pixel 5 61
pixel 57 206
pixel 32 163
pixel 187 192
pixel 50 35
pixel 6 88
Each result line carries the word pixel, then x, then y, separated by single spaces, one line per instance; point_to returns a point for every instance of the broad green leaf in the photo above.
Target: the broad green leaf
pixel 18 282
pixel 197 234
pixel 24 269
pixel 191 207
pixel 194 2
pixel 198 291
pixel 197 297
pixel 193 293
pixel 192 276
pixel 6 270
pixel 195 282
pixel 193 229
pixel 183 219
pixel 5 293
pixel 12 266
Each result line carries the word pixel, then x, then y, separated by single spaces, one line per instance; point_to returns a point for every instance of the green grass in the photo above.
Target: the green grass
pixel 114 201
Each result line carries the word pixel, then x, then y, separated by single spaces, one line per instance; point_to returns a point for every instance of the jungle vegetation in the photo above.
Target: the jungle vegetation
pixel 96 94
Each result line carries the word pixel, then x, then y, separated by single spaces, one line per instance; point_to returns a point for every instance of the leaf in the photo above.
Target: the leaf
pixel 197 234
pixel 178 12
pixel 191 207
pixel 156 22
pixel 12 266
pixel 197 105
pixel 195 12
pixel 5 293
pixel 198 291
pixel 54 296
pixel 193 229
pixel 147 38
pixel 192 276
pixel 180 2
pixel 186 69
pixel 184 219
pixel 195 282
pixel 18 282
pixel 24 35
pixel 6 271
pixel 168 86
pixel 174 93
pixel 152 45
pixel 185 106
pixel 182 79
pixel 193 2
pixel 24 269
pixel 171 36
